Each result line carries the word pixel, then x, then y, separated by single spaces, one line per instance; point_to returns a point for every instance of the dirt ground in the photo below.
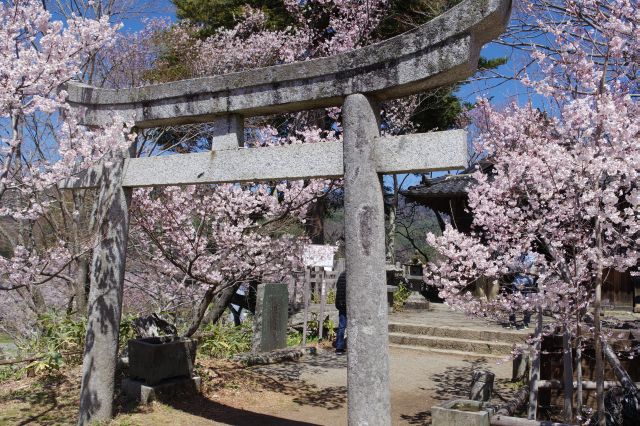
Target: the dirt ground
pixel 310 392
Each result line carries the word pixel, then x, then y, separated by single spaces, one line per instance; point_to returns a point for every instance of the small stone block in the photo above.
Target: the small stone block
pixel 138 390
pixel 460 412
pixel 391 289
pixel 520 364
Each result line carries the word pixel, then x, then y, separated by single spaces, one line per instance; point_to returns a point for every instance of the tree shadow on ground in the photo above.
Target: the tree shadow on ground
pixel 202 406
pixel 420 418
pixel 316 364
pixel 303 393
pixel 45 401
pixel 455 382
pixel 286 379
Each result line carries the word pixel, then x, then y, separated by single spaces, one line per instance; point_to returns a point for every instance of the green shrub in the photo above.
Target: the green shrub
pixel 59 341
pixel 328 330
pixel 49 363
pixel 400 296
pixel 330 298
pixel 224 340
pixel 294 338
pixel 7 372
pixel 127 331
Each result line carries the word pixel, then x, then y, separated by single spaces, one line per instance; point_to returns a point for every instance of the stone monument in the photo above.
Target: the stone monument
pixel 271 318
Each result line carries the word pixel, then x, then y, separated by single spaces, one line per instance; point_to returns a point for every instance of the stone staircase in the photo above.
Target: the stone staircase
pixel 449 332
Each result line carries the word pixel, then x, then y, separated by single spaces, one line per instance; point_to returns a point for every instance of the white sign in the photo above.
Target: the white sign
pixel 319 255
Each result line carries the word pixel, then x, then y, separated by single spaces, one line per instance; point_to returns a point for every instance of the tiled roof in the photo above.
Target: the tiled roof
pixel 445 186
pixel 448 186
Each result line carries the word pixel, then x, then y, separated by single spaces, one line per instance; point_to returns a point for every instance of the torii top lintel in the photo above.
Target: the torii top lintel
pixel 442 51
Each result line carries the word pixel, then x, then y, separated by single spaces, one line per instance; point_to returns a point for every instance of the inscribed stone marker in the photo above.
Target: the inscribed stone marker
pixel 270 322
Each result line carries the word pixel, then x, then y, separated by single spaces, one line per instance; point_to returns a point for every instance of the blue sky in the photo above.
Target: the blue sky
pixel 160 9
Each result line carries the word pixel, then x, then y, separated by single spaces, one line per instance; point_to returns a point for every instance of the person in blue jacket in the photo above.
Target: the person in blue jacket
pixel 341 306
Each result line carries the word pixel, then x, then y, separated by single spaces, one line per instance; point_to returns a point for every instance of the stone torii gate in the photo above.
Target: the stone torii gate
pixel 441 52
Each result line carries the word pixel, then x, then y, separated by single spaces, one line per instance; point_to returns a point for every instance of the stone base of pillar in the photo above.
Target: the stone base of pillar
pixel 139 391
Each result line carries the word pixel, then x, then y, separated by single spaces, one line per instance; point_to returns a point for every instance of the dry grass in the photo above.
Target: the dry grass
pixel 231 393
pixel 40 401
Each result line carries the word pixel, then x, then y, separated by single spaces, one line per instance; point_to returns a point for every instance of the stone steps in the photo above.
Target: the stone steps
pixel 445 332
pixel 505 336
pixel 479 347
pixel 444 351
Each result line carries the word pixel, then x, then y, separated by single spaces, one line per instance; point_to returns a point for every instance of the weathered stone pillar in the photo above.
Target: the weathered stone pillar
pixel 521 363
pixel 481 385
pixel 368 356
pixel 105 295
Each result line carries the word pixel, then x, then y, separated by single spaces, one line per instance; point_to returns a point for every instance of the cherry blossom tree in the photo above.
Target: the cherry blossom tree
pixel 58 147
pixel 564 181
pixel 215 237
pixel 41 143
pixel 244 240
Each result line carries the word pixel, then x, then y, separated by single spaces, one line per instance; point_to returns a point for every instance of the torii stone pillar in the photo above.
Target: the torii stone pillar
pixel 367 354
pixel 105 295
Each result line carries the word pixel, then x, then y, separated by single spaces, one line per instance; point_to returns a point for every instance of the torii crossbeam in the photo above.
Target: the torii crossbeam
pixel 443 51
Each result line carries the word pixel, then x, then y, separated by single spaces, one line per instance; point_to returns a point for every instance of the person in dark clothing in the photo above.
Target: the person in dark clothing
pixel 524 282
pixel 341 306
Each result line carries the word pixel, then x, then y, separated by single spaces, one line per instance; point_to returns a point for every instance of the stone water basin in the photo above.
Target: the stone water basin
pixel 154 359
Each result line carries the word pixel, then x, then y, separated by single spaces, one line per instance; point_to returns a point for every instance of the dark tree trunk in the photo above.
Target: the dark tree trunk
pixel 314 225
pixel 621 374
pixel 535 369
pixel 81 286
pixel 38 300
pixel 579 397
pixel 598 345
pixel 568 374
pixel 441 223
pixel 514 405
pixel 220 302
